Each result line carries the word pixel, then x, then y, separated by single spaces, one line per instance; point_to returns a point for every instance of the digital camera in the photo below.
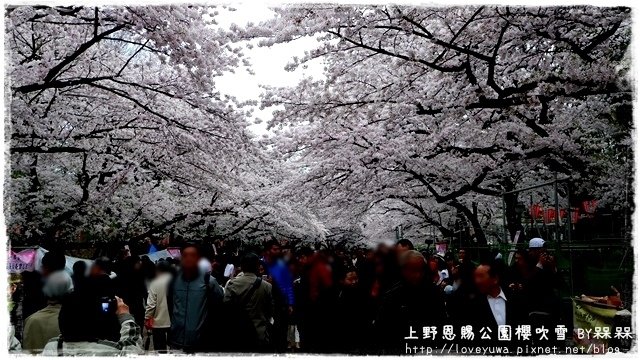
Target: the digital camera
pixel 108 305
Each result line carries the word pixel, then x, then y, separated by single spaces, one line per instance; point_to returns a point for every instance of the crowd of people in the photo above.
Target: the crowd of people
pixel 276 299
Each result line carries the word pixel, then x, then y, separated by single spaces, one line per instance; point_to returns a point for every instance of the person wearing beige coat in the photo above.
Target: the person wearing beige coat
pixel 157 318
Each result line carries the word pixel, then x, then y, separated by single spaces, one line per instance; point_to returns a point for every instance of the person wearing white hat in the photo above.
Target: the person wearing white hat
pixel 536 249
pixel 539 255
pixel 543 285
pixel 536 243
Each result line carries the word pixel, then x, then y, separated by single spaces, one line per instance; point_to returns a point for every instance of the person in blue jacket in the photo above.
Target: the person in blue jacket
pixel 193 298
pixel 282 281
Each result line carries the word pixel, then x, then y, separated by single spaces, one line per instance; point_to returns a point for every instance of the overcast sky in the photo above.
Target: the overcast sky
pixel 267 63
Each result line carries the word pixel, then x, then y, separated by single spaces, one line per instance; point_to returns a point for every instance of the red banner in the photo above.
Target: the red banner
pixel 536 211
pixel 549 215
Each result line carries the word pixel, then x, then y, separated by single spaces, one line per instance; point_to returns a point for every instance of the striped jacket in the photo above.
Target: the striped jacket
pixel 130 343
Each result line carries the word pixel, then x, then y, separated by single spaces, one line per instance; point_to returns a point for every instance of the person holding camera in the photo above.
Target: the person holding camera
pixel 87 328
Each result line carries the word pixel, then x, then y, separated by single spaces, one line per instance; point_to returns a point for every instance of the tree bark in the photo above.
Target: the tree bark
pixel 473 219
pixel 511 215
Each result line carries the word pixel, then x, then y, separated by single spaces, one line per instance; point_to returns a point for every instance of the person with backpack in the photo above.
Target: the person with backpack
pixel 250 303
pixel 193 299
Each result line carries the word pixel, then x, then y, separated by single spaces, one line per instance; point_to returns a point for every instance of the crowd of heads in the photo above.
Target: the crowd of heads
pixel 343 289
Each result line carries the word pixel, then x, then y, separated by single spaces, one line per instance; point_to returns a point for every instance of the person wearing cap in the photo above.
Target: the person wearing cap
pixel 542 288
pixel 536 249
pixel 539 256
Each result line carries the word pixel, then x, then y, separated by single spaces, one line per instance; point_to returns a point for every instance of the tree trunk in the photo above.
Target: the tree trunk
pixel 473 219
pixel 511 215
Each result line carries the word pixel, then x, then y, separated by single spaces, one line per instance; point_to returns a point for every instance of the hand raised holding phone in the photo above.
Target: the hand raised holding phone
pixel 121 308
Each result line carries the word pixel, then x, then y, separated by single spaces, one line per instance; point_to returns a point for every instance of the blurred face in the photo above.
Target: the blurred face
pixel 190 259
pixel 483 280
pixel 351 279
pixel 383 249
pixel 534 253
pixel 95 270
pixel 274 252
pixel 455 271
pixel 401 249
pixel 370 255
pixel 461 255
pixel 413 271
pixel 304 260
pixel 519 260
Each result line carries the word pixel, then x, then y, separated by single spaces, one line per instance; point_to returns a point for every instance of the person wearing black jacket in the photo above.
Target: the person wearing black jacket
pixel 79 276
pixel 100 285
pixel 412 303
pixel 494 307
pixel 131 288
pixel 99 282
pixel 352 323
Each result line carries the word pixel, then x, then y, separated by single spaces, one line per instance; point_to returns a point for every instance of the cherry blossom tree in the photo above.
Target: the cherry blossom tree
pixel 450 107
pixel 424 119
pixel 118 132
